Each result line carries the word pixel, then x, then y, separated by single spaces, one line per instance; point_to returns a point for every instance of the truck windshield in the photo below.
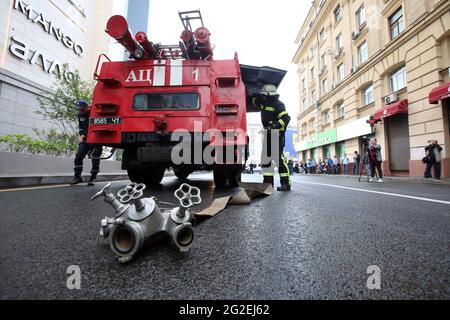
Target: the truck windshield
pixel 165 101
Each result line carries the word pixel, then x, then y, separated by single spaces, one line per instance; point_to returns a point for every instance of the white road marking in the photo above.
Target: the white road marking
pixel 34 188
pixel 377 192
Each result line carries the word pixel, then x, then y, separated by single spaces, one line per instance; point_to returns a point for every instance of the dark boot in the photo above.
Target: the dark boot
pixel 268 180
pixel 285 184
pixel 284 188
pixel 91 181
pixel 76 180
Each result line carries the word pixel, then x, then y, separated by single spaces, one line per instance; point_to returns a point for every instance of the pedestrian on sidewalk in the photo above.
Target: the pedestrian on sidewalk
pixel 356 161
pixel 345 163
pixel 302 167
pixel 83 147
pixel 291 167
pixel 336 165
pixel 322 167
pixel 433 159
pixel 330 165
pixel 375 159
pixel 313 166
pixel 296 168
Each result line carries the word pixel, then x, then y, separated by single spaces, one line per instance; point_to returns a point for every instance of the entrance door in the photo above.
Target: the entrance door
pixel 326 150
pixel 398 133
pixel 340 148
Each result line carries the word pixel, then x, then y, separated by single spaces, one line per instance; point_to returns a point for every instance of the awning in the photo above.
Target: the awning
pixel 391 109
pixel 439 93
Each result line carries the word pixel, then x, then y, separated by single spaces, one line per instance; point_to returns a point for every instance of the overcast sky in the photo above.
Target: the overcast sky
pixel 262 32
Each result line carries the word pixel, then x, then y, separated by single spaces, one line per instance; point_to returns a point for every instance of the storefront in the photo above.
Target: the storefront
pixel 333 142
pixel 319 145
pixel 395 119
pixel 442 94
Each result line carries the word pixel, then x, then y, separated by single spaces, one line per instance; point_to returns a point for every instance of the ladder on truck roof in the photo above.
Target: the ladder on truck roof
pixel 187 16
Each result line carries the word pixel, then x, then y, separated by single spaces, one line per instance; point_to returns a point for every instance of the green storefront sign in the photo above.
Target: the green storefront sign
pixel 321 139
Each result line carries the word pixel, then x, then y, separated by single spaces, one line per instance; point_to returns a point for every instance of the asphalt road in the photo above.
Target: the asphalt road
pixel 315 242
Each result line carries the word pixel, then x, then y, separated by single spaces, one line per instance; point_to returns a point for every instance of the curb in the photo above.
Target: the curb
pixel 43 179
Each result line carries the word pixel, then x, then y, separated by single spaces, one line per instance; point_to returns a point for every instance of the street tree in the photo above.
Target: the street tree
pixel 58 105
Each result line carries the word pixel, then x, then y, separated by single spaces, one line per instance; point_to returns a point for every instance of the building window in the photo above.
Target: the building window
pixel 337 13
pixel 340 72
pixel 304 129
pixel 368 95
pixel 303 84
pixel 339 43
pixel 360 17
pixel 322 35
pixel 323 60
pixel 397 79
pixel 340 109
pixel 313 97
pixel 326 117
pixel 312 73
pixel 363 54
pixel 305 107
pixel 324 87
pixel 396 23
pixel 311 125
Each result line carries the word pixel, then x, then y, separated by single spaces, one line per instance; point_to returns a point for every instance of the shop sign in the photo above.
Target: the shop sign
pixel 327 137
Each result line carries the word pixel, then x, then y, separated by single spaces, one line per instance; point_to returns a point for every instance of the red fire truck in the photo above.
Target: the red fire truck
pixel 174 100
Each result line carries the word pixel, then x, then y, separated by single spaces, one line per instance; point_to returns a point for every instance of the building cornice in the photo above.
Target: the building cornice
pixel 302 44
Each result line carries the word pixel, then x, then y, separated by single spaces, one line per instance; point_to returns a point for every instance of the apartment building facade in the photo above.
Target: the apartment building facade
pixel 383 59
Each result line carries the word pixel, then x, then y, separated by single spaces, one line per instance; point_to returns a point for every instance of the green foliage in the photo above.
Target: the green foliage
pixel 58 105
pixel 23 143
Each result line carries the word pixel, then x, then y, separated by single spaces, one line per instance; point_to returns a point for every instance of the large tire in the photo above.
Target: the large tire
pixel 220 177
pixel 152 176
pixel 181 174
pixel 234 176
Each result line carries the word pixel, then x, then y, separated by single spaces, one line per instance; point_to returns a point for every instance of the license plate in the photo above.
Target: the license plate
pixel 109 120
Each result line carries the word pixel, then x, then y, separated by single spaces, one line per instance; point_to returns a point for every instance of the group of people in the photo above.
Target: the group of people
pixel 333 165
pixel 330 165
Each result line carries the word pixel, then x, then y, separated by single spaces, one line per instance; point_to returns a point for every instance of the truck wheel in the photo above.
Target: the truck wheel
pixel 234 176
pixel 220 177
pixel 181 174
pixel 152 176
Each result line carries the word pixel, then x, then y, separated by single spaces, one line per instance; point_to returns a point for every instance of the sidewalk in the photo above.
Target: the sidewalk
pixel 26 180
pixel 385 178
pixel 21 170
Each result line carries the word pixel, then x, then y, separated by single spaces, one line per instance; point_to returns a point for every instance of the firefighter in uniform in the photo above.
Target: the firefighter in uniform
pixel 275 120
pixel 83 147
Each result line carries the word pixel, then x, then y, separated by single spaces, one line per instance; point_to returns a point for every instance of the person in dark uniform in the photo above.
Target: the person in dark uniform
pixel 83 147
pixel 275 120
pixel 433 151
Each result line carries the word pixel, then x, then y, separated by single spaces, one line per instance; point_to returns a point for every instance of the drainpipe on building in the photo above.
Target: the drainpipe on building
pixel 318 87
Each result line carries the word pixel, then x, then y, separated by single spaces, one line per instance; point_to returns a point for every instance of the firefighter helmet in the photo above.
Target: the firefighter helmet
pixel 269 90
pixel 81 104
